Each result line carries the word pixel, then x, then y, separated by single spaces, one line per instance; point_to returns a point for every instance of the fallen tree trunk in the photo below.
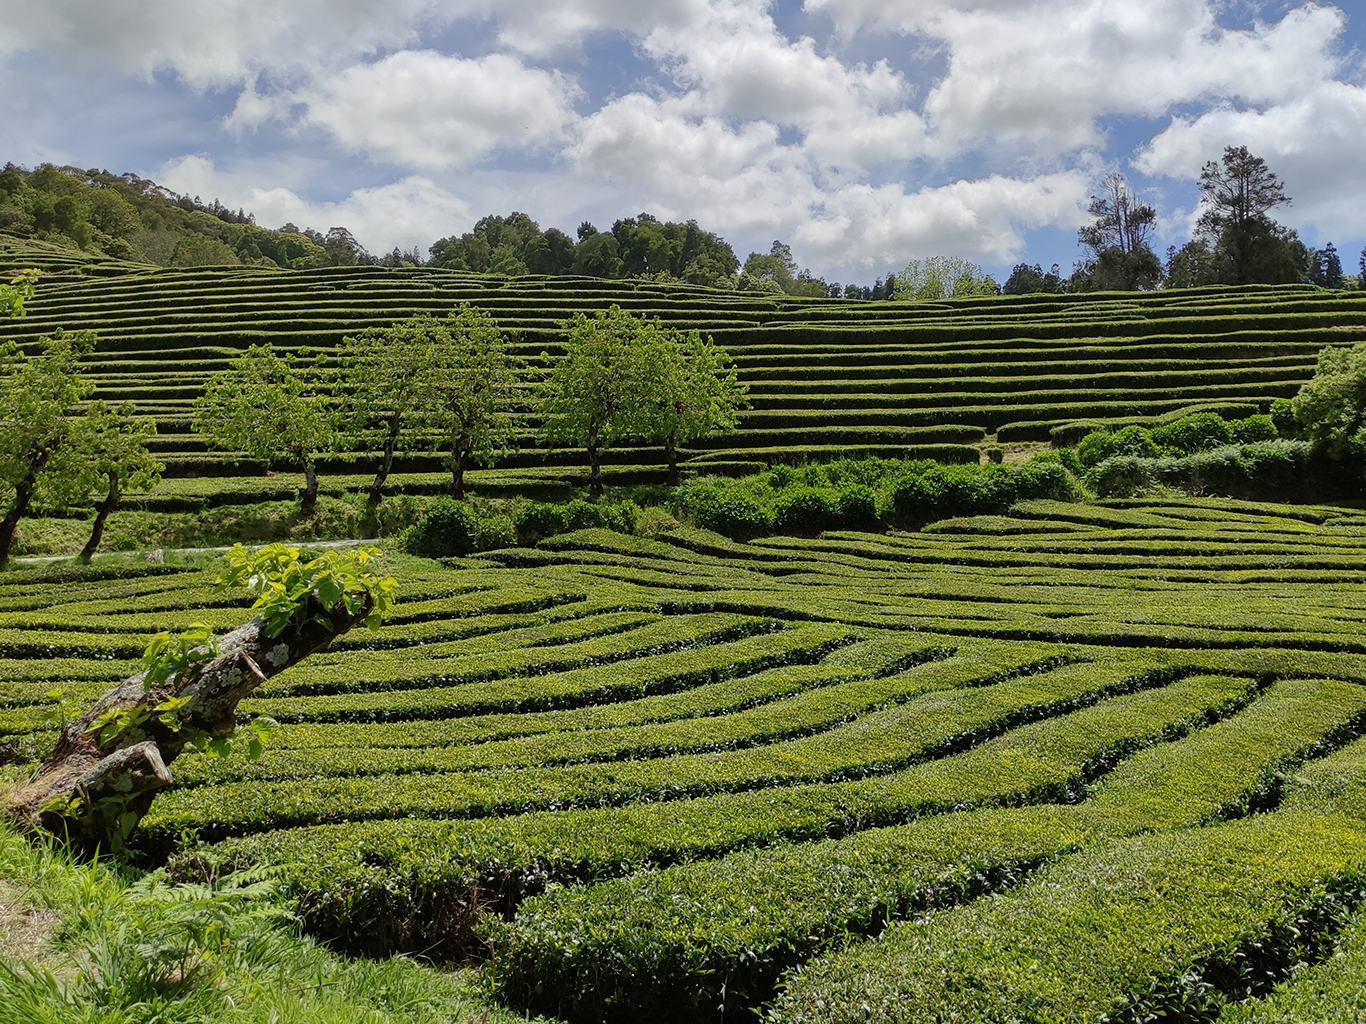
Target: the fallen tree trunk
pixel 109 764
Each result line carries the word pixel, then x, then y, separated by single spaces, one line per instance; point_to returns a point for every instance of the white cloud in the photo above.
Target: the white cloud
pixel 422 109
pixel 213 43
pixel 403 214
pixel 867 227
pixel 1041 73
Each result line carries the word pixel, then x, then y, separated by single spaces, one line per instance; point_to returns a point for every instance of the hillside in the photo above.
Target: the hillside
pixel 825 376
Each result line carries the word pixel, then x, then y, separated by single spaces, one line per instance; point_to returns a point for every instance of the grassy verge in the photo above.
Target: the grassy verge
pixel 92 944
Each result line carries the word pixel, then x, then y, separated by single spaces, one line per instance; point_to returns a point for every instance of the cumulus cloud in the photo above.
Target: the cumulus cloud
pixel 1042 73
pixel 422 109
pixel 869 227
pixel 960 126
pixel 402 214
pixel 214 43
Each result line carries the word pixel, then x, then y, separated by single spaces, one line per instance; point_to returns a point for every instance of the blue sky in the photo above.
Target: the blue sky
pixel 865 133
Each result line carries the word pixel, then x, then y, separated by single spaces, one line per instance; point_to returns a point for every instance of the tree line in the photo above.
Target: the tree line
pixel 1236 241
pixel 619 378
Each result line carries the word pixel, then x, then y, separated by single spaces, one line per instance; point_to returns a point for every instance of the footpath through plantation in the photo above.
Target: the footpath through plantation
pixel 1093 760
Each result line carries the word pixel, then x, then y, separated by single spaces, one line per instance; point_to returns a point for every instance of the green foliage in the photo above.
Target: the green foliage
pixel 447 529
pixel 941 277
pixel 265 409
pixel 470 389
pixel 1330 409
pixel 40 450
pixel 172 657
pixel 539 520
pixel 17 292
pixel 1193 433
pixel 284 585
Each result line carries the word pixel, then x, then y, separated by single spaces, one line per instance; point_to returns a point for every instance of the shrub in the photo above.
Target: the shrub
pixel 731 511
pixel 1255 428
pixel 1194 433
pixel 1095 448
pixel 1122 476
pixel 542 519
pixel 1048 476
pixel 449 528
pixel 856 505
pixel 539 520
pixel 805 510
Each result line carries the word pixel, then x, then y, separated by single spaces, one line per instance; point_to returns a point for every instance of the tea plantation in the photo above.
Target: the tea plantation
pixel 1084 762
pixel 921 380
pixel 1077 762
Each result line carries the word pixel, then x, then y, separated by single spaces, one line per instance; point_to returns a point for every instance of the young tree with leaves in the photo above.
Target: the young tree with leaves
pixel 39 449
pixel 594 395
pixel 115 447
pixel 1331 406
pixel 386 377
pixel 17 292
pixel 261 406
pixel 689 389
pixel 471 387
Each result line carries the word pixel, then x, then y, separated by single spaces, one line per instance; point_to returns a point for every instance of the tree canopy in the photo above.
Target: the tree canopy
pixel 471 387
pixel 1331 406
pixel 944 277
pixel 40 454
pixel 262 407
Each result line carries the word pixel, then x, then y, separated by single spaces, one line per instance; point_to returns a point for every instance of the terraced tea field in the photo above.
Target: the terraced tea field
pixel 825 376
pixel 1078 763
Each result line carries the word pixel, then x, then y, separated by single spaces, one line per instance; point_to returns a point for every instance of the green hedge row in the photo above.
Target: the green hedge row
pixel 351 872
pixel 681 943
pixel 1174 925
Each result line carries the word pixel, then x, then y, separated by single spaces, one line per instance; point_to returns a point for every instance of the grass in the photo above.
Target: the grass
pixel 97 943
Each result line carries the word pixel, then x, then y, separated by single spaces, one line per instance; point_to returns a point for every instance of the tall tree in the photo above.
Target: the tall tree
pixel 470 390
pixel 1238 194
pixel 689 388
pixel 593 396
pixel 1120 221
pixel 1118 256
pixel 39 453
pixel 262 407
pixel 115 449
pixel 386 378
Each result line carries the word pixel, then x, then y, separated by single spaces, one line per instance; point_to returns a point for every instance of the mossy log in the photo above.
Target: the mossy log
pixel 99 781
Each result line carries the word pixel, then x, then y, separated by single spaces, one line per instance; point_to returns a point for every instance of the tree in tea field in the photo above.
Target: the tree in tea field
pixel 262 407
pixel 470 389
pixel 689 389
pixel 1331 406
pixel 386 376
pixel 40 450
pixel 117 460
pixel 596 393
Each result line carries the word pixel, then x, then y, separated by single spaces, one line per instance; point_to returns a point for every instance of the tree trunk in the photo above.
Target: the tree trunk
pixel 309 499
pixel 671 456
pixel 595 473
pixel 110 501
pixel 92 792
pixel 386 463
pixel 458 475
pixel 23 494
